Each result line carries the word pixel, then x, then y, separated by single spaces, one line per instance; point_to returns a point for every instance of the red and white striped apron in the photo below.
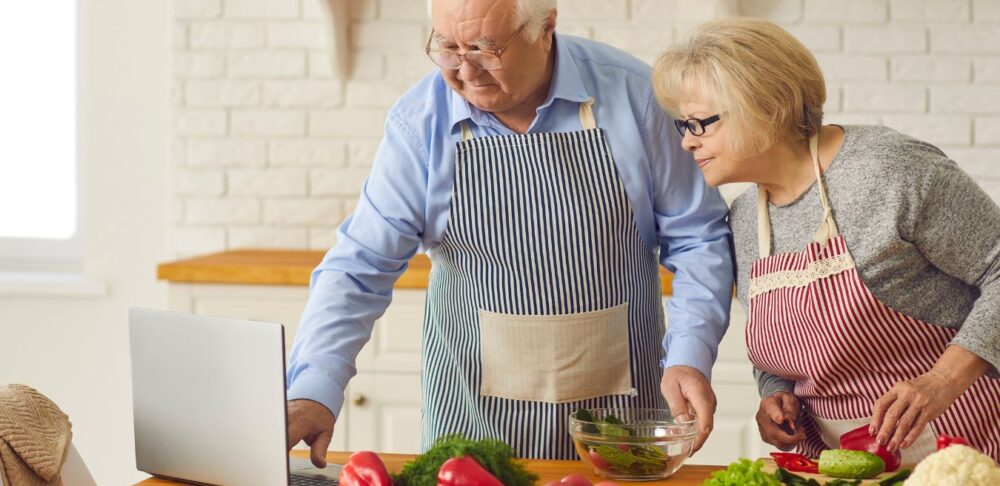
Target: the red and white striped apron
pixel 813 321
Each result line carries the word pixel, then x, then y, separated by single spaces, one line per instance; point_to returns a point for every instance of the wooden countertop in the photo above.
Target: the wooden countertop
pixel 287 267
pixel 547 470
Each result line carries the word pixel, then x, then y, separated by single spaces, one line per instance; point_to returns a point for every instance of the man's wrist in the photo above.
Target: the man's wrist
pixel 686 369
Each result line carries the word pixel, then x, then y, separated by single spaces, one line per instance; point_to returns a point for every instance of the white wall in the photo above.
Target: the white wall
pixel 270 150
pixel 75 350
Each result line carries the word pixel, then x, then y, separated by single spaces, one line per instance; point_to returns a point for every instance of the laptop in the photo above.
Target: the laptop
pixel 208 399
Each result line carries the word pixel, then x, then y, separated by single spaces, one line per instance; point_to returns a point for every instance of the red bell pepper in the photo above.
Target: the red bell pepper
pixel 364 468
pixel 947 440
pixel 465 471
pixel 795 462
pixel 860 440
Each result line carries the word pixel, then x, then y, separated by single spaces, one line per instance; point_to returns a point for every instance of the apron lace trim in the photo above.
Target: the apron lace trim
pixel 800 278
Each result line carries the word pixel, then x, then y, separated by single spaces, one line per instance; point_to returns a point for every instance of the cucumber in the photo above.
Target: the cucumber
pixel 842 463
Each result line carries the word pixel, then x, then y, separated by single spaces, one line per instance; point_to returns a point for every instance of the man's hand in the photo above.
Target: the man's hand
pixel 688 392
pixel 312 422
pixel 775 410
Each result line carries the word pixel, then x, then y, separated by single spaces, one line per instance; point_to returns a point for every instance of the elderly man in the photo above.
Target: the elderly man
pixel 539 174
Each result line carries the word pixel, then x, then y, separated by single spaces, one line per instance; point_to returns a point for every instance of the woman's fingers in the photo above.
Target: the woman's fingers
pixel 771 413
pixel 771 433
pixel 879 415
pixel 903 426
pixel 790 407
pixel 772 407
pixel 891 420
pixel 915 431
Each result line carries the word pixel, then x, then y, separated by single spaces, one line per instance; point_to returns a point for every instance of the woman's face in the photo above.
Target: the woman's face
pixel 711 149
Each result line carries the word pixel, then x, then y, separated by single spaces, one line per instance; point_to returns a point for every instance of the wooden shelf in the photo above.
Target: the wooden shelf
pixel 286 267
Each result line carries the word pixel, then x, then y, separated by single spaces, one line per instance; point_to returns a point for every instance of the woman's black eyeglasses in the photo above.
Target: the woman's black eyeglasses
pixel 695 125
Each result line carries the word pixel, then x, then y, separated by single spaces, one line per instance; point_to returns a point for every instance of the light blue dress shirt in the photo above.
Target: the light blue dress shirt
pixel 404 206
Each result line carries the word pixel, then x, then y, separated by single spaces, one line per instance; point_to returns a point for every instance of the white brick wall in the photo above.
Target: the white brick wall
pixel 271 150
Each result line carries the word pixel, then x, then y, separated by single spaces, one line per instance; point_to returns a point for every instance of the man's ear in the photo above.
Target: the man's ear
pixel 549 28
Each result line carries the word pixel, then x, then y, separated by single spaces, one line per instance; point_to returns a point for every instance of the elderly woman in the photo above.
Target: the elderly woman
pixel 868 262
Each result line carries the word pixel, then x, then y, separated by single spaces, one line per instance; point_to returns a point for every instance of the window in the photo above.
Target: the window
pixel 38 136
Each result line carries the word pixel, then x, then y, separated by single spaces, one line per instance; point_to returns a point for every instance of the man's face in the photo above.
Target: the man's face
pixel 466 25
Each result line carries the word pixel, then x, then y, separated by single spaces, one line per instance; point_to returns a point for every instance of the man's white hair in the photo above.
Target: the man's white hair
pixel 530 13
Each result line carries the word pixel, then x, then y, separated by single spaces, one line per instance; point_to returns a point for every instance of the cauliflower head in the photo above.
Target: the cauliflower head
pixel 956 465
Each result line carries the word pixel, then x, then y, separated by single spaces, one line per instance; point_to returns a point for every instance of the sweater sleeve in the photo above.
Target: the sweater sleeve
pixel 768 384
pixel 957 228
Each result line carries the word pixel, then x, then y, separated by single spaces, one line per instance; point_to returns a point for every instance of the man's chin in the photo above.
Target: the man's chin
pixel 484 100
pixel 489 106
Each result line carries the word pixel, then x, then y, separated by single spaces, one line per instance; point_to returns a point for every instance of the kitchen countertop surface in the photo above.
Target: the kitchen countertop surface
pixel 287 267
pixel 688 475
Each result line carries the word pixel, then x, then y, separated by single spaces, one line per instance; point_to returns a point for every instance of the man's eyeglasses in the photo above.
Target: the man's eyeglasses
pixel 482 59
pixel 694 125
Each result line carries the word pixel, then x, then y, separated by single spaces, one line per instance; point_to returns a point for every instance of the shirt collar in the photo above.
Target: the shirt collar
pixel 566 84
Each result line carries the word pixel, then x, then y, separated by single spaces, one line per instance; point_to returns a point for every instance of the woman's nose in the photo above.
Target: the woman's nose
pixel 690 142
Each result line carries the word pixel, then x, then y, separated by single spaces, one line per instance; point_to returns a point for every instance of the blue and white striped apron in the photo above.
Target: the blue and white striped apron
pixel 540 228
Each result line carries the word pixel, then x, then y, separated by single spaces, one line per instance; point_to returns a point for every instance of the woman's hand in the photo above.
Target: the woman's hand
pixel 902 413
pixel 775 410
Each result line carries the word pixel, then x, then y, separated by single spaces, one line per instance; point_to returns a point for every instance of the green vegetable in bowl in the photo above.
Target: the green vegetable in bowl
pixel 623 458
pixel 633 459
pixel 585 415
pixel 742 473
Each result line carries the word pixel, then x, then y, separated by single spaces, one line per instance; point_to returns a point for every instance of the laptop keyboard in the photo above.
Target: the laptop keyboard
pixel 294 480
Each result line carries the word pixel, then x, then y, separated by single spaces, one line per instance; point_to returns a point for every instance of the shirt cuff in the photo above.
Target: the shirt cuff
pixel 318 388
pixel 689 351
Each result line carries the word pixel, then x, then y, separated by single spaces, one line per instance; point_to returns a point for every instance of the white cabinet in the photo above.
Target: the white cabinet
pixel 385 412
pixel 384 402
pixel 382 405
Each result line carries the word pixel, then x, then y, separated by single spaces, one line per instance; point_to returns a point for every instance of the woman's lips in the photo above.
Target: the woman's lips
pixel 703 162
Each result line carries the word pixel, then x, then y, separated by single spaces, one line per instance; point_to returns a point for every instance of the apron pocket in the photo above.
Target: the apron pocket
pixel 555 358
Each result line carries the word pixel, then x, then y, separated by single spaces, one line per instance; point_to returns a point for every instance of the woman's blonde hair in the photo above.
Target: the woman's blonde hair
pixel 764 81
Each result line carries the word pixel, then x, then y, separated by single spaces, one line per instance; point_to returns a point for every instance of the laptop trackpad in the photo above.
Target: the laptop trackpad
pixel 304 467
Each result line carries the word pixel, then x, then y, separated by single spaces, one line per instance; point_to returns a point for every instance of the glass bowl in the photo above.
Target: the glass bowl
pixel 634 444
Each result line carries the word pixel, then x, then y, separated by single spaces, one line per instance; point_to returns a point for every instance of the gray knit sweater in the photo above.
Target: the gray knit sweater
pixel 924 236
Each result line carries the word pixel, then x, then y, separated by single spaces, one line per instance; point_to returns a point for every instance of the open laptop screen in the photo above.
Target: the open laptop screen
pixel 208 398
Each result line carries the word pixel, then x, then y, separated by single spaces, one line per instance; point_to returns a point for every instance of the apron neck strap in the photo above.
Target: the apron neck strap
pixel 827 229
pixel 586 119
pixel 466 132
pixel 587 114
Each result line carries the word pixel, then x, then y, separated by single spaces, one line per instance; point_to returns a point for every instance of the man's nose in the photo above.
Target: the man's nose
pixel 467 71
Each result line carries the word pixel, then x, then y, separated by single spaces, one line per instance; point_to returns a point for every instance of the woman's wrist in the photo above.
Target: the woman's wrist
pixel 960 367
